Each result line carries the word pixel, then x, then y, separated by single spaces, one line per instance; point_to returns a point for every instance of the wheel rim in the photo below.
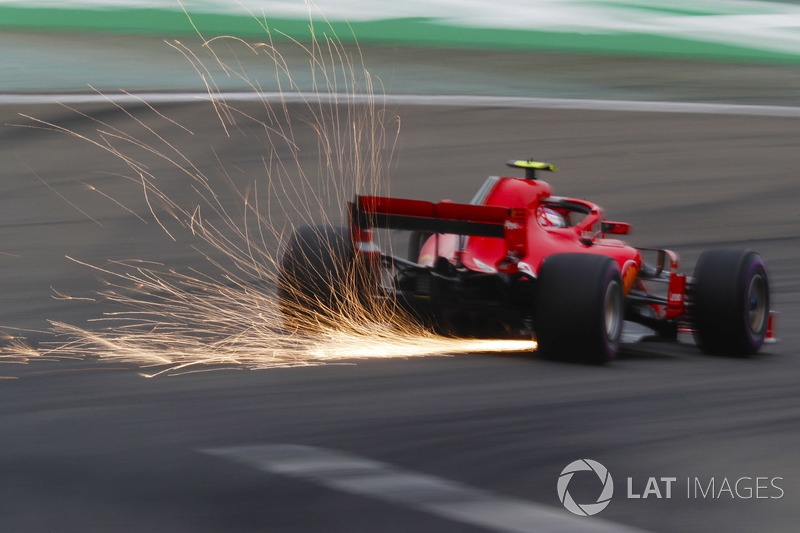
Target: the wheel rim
pixel 757 303
pixel 613 311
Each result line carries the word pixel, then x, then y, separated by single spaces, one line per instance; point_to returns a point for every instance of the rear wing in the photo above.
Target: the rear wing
pixel 418 215
pixel 368 212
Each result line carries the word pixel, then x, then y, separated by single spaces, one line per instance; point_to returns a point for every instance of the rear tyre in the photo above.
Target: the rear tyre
pixel 579 308
pixel 731 302
pixel 313 281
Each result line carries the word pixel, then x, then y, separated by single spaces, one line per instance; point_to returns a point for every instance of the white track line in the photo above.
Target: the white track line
pixel 437 496
pixel 409 99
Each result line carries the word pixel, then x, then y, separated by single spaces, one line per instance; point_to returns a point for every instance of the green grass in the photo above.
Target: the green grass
pixel 405 31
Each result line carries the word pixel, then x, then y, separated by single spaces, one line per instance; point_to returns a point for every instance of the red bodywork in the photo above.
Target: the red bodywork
pixel 509 208
pixel 483 268
pixel 527 242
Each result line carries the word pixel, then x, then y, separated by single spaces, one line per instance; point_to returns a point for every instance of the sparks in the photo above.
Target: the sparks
pixel 174 322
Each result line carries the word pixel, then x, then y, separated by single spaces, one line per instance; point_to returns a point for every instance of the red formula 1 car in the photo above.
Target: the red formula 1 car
pixel 518 261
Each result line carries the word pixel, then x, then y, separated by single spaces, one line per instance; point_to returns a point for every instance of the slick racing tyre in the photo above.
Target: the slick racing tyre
pixel 730 296
pixel 315 273
pixel 579 309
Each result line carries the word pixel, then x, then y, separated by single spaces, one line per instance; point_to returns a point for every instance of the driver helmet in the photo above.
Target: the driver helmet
pixel 550 218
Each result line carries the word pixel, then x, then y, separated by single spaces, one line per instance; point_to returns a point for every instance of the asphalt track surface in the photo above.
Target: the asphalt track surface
pixel 87 446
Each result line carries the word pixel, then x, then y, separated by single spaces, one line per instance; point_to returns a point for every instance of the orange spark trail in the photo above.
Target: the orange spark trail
pixel 181 321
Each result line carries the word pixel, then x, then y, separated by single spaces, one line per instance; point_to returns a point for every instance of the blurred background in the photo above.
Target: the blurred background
pixel 712 50
pixel 681 118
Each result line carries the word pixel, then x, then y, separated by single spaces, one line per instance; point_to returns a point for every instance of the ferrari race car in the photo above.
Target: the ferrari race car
pixel 520 262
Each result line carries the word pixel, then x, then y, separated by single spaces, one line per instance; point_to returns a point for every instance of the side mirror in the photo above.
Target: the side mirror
pixel 615 228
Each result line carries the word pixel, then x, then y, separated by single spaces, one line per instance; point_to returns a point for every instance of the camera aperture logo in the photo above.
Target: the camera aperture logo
pixel 585 509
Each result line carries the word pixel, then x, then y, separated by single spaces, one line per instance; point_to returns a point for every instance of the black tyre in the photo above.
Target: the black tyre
pixel 579 308
pixel 315 275
pixel 730 296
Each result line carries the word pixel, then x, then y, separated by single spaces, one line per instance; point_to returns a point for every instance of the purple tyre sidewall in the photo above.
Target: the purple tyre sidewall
pixel 755 338
pixel 611 345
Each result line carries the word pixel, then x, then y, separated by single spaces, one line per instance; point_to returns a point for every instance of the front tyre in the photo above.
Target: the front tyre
pixel 731 302
pixel 579 308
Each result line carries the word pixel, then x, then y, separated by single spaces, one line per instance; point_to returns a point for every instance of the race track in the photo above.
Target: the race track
pixel 88 446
